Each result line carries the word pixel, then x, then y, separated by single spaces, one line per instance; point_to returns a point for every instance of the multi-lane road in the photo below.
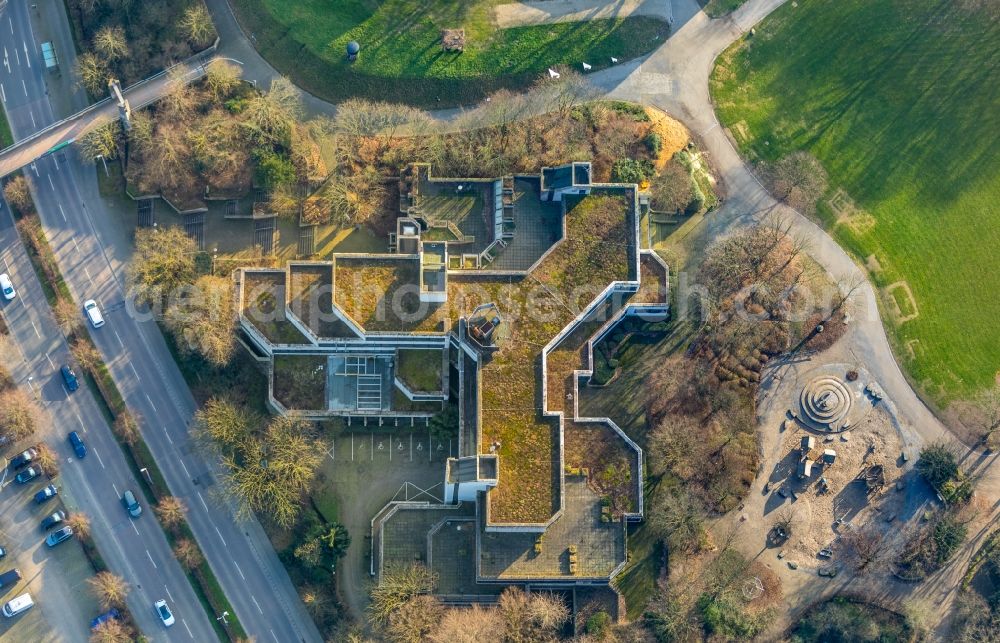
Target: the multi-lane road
pixel 92 251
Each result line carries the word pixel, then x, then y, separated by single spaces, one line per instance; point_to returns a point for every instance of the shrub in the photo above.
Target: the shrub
pixel 937 465
pixel 697 202
pixel 598 624
pixel 653 143
pixel 636 111
pixel 274 169
pixel 949 534
pixel 626 170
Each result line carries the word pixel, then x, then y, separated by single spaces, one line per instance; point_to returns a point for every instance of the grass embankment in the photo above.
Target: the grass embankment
pixel 898 101
pixel 401 58
pixel 6 138
pixel 137 453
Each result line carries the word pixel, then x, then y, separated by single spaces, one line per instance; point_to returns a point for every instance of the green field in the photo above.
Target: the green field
pixel 900 100
pixel 401 57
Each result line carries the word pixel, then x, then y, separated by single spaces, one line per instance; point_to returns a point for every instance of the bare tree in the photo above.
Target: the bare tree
pixel 19 415
pixel 86 354
pixel 226 424
pixel 203 318
pixel 92 72
pixel 163 262
pixel 380 120
pixel 111 631
pixel 798 180
pixel 126 428
pixel 17 193
pixel 188 554
pixel 671 189
pixel 222 77
pixel 170 510
pixel 110 42
pixel 269 116
pixel 109 589
pixel 47 460
pixel 68 316
pixel 80 524
pixel 104 140
pixel 868 549
pixel 474 625
pixel 414 621
pixel 197 24
pixel 397 586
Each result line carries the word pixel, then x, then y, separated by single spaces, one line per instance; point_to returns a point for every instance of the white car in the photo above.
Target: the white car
pixel 7 287
pixel 164 612
pixel 93 313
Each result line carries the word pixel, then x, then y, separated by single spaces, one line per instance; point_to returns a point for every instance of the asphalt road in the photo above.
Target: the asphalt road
pixel 92 252
pixel 134 548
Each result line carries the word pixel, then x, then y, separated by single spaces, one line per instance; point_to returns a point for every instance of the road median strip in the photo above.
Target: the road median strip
pixel 154 486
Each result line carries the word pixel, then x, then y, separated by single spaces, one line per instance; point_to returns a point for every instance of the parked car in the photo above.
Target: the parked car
pixel 111 614
pixel 131 504
pixel 59 535
pixel 47 493
pixel 93 313
pixel 23 458
pixel 51 521
pixel 10 577
pixel 7 287
pixel 3 552
pixel 27 475
pixel 69 377
pixel 164 612
pixel 76 442
pixel 18 605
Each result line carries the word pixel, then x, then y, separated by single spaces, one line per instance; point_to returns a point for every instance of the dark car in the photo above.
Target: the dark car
pixel 111 614
pixel 76 442
pixel 69 377
pixel 51 521
pixel 27 475
pixel 10 577
pixel 131 504
pixel 22 459
pixel 58 536
pixel 47 493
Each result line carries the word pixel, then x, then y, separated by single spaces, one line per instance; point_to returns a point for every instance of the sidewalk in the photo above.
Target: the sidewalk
pixel 537 12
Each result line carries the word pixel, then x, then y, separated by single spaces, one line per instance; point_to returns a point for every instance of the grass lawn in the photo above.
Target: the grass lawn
pixel 899 102
pixel 6 138
pixel 401 58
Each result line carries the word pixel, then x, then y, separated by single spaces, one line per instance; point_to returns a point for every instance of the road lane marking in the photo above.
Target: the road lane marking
pixel 166 432
pixel 275 637
pixel 134 372
pixel 32 115
pixel 187 628
pixel 116 490
pixel 75 243
pixel 55 161
pixel 119 338
pixel 220 537
pixel 134 528
pixel 83 427
pixel 98 456
pixel 27 56
pixel 85 271
pixel 239 570
pixel 35 328
pixel 186 472
pixel 150 556
pixel 52 185
pixel 168 594
pixel 25 87
pixel 3 93
pixel 51 363
pixel 151 403
pixel 203 503
pixel 63 213
pixel 256 603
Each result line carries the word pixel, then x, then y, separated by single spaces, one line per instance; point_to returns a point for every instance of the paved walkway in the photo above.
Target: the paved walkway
pixel 539 12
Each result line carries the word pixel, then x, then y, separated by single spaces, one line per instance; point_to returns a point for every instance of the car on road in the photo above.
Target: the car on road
pixel 76 442
pixel 7 287
pixel 58 536
pixel 3 552
pixel 48 493
pixel 51 521
pixel 93 313
pixel 27 475
pixel 23 458
pixel 131 504
pixel 164 612
pixel 69 377
pixel 10 577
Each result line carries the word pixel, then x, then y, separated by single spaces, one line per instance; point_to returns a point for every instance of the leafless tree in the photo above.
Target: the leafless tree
pixel 92 72
pixel 798 180
pixel 197 24
pixel 110 42
pixel 17 193
pixel 109 589
pixel 19 415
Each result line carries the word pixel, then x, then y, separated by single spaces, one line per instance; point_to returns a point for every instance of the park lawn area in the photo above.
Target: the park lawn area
pixel 899 102
pixel 401 59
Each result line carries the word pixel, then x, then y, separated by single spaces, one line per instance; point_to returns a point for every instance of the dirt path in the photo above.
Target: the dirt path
pixel 519 14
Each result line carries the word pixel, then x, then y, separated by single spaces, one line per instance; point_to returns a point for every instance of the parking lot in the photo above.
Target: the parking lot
pixel 55 577
pixel 387 447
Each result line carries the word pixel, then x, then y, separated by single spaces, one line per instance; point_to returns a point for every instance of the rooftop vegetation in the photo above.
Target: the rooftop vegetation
pixel 264 307
pixel 420 370
pixel 300 381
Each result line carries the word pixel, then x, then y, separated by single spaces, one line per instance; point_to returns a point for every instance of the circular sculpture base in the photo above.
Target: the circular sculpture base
pixel 830 402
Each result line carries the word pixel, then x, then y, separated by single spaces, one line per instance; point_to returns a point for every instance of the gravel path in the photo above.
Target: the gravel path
pixel 519 14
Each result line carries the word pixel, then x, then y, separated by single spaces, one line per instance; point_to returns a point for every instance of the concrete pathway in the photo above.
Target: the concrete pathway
pixel 538 12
